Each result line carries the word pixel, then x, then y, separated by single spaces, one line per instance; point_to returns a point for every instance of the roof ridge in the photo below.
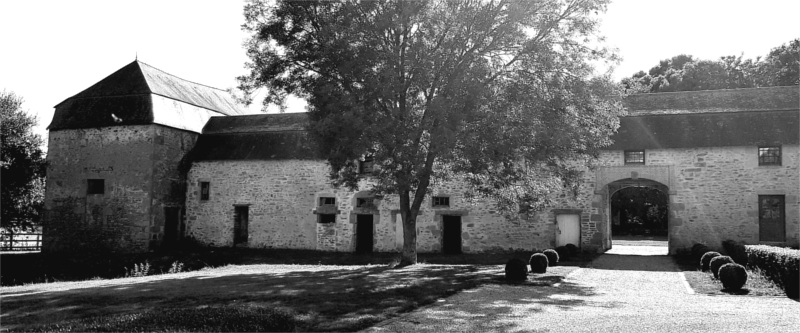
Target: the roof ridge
pixel 710 90
pixel 178 77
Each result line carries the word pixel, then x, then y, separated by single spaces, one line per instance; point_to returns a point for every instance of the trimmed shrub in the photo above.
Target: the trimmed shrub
pixel 717 262
pixel 516 270
pixel 736 251
pixel 552 257
pixel 733 276
pixel 706 259
pixel 573 250
pixel 539 263
pixel 563 253
pixel 780 265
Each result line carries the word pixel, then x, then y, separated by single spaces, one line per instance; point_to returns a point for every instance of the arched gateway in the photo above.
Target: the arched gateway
pixel 612 180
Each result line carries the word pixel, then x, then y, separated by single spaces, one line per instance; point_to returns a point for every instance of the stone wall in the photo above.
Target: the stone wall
pixel 283 198
pixel 119 218
pixel 713 192
pixel 139 166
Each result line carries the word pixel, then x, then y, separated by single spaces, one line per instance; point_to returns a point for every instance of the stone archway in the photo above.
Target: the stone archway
pixel 638 209
pixel 612 178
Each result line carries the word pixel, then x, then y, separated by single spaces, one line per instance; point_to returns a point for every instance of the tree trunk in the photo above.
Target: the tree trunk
pixel 409 216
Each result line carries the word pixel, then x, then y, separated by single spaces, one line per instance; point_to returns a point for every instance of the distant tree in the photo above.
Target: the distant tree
pixel 22 165
pixel 497 93
pixel 781 67
pixel 684 73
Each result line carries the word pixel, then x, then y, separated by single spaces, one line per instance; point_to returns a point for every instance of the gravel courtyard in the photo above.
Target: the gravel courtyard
pixel 629 289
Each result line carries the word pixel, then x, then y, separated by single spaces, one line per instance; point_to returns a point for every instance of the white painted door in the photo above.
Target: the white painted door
pixel 568 229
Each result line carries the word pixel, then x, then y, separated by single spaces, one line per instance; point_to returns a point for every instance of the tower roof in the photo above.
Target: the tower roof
pixel 140 94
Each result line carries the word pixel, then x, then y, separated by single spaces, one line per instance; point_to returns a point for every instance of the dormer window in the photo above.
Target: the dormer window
pixel 367 166
pixel 95 186
pixel 327 201
pixel 365 203
pixel 441 201
pixel 769 155
pixel 634 157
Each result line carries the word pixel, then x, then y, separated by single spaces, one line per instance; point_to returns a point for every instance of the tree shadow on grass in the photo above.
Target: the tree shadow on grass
pixel 329 300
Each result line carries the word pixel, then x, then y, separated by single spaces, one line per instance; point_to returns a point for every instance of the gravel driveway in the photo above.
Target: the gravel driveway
pixel 628 289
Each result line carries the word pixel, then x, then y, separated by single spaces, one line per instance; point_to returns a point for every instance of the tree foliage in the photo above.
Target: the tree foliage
pixel 22 165
pixel 499 94
pixel 781 67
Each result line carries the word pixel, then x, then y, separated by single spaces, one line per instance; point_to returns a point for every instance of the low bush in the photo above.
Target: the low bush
pixel 733 276
pixel 736 251
pixel 717 262
pixel 705 260
pixel 552 257
pixel 780 265
pixel 573 249
pixel 563 253
pixel 539 263
pixel 516 270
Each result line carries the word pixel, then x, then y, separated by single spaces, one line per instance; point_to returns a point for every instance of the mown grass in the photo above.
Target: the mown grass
pixel 23 268
pixel 258 293
pixel 705 283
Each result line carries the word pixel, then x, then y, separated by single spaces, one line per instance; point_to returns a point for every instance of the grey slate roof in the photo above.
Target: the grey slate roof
pixel 255 137
pixel 707 101
pixel 716 129
pixel 129 95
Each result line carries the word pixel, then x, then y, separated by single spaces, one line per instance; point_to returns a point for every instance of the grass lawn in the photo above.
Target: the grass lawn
pixel 705 283
pixel 253 296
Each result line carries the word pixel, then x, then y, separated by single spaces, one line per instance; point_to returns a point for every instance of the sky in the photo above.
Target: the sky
pixel 52 50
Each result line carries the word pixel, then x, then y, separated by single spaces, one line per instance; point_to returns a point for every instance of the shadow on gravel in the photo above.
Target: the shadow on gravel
pixel 495 307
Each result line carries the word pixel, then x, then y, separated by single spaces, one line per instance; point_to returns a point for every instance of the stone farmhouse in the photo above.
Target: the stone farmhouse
pixel 143 159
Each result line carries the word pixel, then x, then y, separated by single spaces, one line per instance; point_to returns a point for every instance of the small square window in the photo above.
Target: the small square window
pixel 327 201
pixel 634 157
pixel 326 218
pixel 205 189
pixel 769 155
pixel 441 201
pixel 96 186
pixel 365 203
pixel 367 165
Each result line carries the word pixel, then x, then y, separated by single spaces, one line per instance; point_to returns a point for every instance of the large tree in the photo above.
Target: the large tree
pixel 499 94
pixel 21 164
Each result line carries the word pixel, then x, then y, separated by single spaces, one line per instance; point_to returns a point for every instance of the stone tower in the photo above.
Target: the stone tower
pixel 115 175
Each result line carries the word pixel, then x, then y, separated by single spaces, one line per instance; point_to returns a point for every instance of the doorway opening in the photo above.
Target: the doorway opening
pixel 639 213
pixel 241 217
pixel 364 233
pixel 172 217
pixel 451 234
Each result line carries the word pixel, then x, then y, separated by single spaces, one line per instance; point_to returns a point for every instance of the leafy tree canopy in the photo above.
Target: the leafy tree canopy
pixel 500 94
pixel 781 67
pixel 22 165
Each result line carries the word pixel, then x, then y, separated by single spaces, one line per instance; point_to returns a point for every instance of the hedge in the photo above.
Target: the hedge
pixel 781 265
pixel 736 251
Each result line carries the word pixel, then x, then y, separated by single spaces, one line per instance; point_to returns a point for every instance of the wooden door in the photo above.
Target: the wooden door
pixel 568 229
pixel 451 234
pixel 171 221
pixel 364 233
pixel 240 222
pixel 772 218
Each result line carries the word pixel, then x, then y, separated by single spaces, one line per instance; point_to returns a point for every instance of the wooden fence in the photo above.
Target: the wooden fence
pixel 30 241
